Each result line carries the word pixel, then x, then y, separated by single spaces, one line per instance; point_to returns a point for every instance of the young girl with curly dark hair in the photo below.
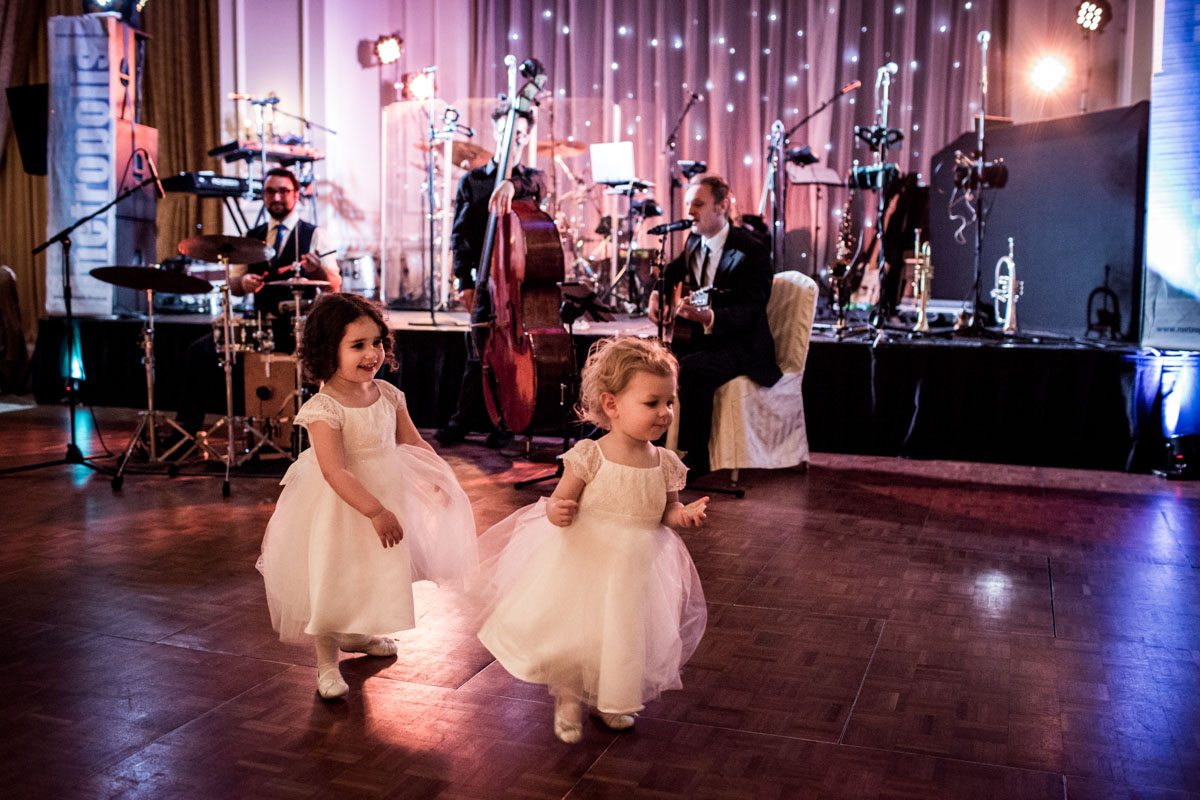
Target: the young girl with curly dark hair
pixel 365 511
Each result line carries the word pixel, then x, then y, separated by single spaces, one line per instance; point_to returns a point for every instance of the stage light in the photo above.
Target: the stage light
pixel 387 48
pixel 418 86
pixel 1093 15
pixel 1048 74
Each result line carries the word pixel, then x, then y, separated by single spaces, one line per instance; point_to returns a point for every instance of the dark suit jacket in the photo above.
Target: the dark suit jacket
pixel 743 280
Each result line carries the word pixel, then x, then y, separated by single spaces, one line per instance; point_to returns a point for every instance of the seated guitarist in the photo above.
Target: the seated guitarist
pixel 730 336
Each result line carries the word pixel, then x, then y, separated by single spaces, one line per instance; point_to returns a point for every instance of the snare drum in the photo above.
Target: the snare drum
pixel 248 335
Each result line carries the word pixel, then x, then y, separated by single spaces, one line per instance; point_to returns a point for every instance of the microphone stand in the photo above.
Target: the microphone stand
pixel 73 454
pixel 976 327
pixel 673 157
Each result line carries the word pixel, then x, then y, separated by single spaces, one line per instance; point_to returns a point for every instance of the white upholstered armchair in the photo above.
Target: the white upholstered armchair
pixel 763 426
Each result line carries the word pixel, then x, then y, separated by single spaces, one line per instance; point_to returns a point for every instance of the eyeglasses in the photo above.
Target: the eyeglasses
pixel 286 191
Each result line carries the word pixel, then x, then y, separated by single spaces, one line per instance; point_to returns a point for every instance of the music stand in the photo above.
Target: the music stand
pixel 818 176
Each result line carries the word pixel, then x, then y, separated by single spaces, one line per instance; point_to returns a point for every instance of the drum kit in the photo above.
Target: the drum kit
pixel 587 252
pixel 233 336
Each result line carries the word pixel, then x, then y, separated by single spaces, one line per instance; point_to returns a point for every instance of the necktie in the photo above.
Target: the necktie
pixel 279 230
pixel 704 267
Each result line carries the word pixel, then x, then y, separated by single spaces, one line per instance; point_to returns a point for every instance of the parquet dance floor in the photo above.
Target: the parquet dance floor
pixel 878 629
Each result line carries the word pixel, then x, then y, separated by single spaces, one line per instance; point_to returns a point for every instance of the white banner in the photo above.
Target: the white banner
pixel 1171 292
pixel 80 170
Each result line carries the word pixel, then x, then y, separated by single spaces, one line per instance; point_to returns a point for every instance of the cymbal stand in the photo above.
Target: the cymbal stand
pixel 634 295
pixel 149 419
pixel 227 367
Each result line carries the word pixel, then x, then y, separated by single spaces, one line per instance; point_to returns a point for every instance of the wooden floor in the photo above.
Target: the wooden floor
pixel 877 628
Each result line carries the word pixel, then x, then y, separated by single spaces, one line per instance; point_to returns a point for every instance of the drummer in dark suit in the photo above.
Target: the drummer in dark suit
pixel 728 337
pixel 294 240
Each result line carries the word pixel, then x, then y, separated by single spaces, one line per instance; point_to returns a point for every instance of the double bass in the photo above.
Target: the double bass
pixel 523 348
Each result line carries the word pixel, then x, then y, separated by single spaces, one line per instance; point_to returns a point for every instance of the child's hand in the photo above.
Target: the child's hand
pixel 387 527
pixel 690 516
pixel 561 512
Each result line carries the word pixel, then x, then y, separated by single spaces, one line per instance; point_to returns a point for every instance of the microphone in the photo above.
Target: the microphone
pixel 430 70
pixel 158 187
pixel 668 227
pixel 850 87
pixel 697 98
pixel 984 37
pixel 236 96
pixel 891 68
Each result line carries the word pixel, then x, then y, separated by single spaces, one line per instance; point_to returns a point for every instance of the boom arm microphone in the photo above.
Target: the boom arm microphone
pixel 850 87
pixel 669 227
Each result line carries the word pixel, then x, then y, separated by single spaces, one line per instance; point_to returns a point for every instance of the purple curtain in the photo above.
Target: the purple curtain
pixel 752 62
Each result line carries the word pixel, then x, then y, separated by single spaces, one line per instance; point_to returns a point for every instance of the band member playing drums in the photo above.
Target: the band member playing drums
pixel 294 241
pixel 727 335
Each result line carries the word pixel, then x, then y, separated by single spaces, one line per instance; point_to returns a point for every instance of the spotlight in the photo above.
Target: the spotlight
pixel 1093 15
pixel 387 48
pixel 417 86
pixel 1048 74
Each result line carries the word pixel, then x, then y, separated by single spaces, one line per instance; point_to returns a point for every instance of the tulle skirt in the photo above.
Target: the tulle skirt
pixel 600 610
pixel 324 567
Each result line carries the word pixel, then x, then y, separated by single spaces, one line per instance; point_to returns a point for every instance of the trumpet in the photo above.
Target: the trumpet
pixel 1008 290
pixel 922 282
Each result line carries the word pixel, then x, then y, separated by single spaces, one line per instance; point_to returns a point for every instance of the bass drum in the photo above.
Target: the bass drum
pixel 359 276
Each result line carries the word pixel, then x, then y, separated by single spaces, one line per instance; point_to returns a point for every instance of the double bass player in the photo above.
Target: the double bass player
pixel 477 198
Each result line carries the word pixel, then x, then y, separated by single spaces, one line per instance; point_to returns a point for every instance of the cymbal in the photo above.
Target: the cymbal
pixel 567 149
pixel 236 249
pixel 461 152
pixel 298 282
pixel 153 278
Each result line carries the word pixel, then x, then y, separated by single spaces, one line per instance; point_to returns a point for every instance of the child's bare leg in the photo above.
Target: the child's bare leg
pixel 329 679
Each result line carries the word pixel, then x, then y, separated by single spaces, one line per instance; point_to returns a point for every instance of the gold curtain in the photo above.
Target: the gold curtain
pixel 180 88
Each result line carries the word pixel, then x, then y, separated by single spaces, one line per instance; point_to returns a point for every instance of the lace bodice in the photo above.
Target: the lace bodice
pixel 363 429
pixel 626 495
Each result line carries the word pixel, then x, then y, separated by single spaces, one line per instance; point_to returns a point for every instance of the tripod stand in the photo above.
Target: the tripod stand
pixel 151 280
pixel 73 454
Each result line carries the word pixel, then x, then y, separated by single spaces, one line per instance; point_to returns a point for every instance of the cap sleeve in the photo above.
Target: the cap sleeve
pixel 321 408
pixel 674 472
pixel 585 459
pixel 392 394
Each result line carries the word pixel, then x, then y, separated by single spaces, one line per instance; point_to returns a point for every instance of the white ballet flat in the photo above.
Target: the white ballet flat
pixel 330 684
pixel 568 722
pixel 615 722
pixel 377 646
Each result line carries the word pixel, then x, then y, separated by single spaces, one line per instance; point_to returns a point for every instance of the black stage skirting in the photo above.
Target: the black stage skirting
pixel 1054 403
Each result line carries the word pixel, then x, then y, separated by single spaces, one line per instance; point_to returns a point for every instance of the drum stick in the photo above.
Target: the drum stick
pixel 290 267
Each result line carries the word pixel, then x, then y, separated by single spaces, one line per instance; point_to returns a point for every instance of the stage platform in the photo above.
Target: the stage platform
pixel 1043 401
